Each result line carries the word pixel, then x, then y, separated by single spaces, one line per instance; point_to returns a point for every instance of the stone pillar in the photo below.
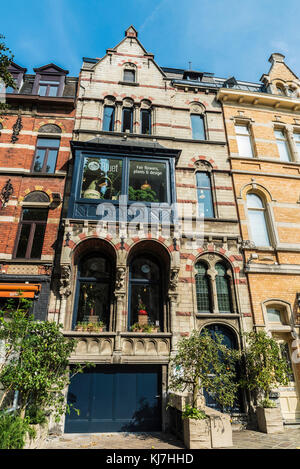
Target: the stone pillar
pixel 212 273
pixel 292 145
pixel 120 295
pixel 64 291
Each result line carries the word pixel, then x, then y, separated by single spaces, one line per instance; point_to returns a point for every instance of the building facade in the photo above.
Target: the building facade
pixel 151 235
pixel 263 124
pixel 35 131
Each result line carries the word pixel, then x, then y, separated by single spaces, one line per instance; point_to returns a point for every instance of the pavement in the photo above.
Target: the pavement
pixel 242 439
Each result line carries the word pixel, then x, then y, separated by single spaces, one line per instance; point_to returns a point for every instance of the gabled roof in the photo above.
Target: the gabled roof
pixel 16 68
pixel 51 68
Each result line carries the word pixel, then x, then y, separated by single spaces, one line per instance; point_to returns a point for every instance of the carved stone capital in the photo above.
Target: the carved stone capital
pixel 65 280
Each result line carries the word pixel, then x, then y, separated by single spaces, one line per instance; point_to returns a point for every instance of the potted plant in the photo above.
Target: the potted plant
pixel 264 371
pixel 142 314
pixel 203 363
pixel 136 327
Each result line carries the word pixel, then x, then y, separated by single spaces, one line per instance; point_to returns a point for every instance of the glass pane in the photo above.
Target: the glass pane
pixel 253 201
pixel 102 178
pixel 241 129
pixel 244 145
pixel 146 304
pixel 197 127
pixel 297 137
pixel 145 122
pixel 223 292
pixel 298 148
pixel 279 134
pixel 144 268
pixel 53 90
pixel 283 150
pixel 273 315
pixel 39 160
pixel 94 303
pixel 43 90
pixel 97 267
pixel 35 214
pixel 49 82
pixel 38 240
pixel 259 231
pixel 51 161
pixel 202 289
pixel 48 142
pixel 147 181
pixel 127 120
pixel 108 118
pixel 129 75
pixel 205 204
pixel 23 240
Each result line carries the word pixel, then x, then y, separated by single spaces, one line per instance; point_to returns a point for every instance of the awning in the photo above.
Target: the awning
pixel 19 290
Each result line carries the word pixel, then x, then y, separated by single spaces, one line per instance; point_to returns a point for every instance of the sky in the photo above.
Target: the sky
pixel 225 37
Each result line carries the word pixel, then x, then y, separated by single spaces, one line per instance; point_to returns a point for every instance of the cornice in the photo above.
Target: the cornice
pixel 226 95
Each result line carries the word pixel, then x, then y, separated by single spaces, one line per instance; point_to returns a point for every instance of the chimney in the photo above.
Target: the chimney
pixel 276 57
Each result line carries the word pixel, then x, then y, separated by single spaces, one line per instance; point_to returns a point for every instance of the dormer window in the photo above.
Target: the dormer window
pixel 48 87
pixel 17 73
pixel 49 81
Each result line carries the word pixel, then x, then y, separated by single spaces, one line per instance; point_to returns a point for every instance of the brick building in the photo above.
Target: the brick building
pixel 152 136
pixel 263 129
pixel 34 151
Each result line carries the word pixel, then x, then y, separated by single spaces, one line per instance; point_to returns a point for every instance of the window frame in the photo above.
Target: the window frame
pixel 125 177
pixel 112 123
pixel 202 119
pixel 285 140
pixel 127 109
pixel 30 240
pixel 210 189
pixel 131 70
pixel 47 148
pixel 149 114
pixel 263 210
pixel 249 134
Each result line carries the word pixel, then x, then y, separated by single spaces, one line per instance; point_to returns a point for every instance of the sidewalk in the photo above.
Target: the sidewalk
pixel 244 439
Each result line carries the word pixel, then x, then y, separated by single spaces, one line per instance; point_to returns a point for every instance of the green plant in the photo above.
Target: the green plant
pixel 13 431
pixel 205 363
pixel 142 195
pixel 264 368
pixel 35 362
pixel 193 413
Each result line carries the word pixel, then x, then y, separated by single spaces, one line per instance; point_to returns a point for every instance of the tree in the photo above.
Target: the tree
pixel 6 59
pixel 35 361
pixel 264 367
pixel 204 362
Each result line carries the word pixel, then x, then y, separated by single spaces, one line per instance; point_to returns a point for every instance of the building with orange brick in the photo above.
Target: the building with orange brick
pixel 263 131
pixel 34 151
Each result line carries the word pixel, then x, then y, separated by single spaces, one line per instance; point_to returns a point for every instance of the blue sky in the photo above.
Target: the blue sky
pixel 228 38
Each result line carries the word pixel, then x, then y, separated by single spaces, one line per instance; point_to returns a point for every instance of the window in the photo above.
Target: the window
pixel 129 75
pixel 102 178
pixel 92 304
pixel 205 203
pixel 282 144
pixel 145 297
pixel 285 355
pixel 223 289
pixel 274 315
pixel 203 293
pixel 280 90
pixel 244 143
pixel 145 121
pixel 292 92
pixel 46 155
pixel 31 233
pixel 198 130
pixel 145 181
pixel 48 87
pixel 257 220
pixel 127 121
pixel 109 118
pixel 297 142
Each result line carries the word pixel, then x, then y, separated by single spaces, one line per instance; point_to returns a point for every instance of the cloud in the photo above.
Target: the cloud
pixel 153 14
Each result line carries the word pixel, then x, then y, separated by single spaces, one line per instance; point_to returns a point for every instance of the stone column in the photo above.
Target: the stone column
pixel 120 295
pixel 212 273
pixel 292 145
pixel 64 291
pixel 173 300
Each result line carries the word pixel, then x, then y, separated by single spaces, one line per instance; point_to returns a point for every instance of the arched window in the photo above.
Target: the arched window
pixel 204 195
pixel 93 291
pixel 108 118
pixel 257 220
pixel 280 90
pixel 203 293
pixel 198 127
pixel 146 121
pixel 145 292
pixel 223 289
pixel 50 129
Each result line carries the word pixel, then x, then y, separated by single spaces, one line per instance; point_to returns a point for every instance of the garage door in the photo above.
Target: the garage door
pixel 115 399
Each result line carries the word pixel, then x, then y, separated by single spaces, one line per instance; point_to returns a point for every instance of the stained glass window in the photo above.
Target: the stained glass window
pixel 223 289
pixel 202 288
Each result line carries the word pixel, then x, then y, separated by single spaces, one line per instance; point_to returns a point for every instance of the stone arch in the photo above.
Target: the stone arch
pixel 50 129
pixel 258 189
pixel 92 244
pixel 37 197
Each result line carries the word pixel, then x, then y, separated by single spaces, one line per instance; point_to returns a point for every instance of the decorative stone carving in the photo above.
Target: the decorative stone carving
pixel 120 280
pixel 65 280
pixel 174 279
